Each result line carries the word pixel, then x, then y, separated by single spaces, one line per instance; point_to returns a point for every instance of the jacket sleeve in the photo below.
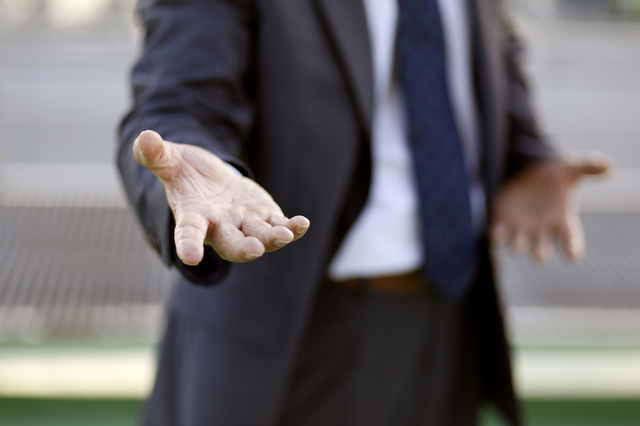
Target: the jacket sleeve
pixel 527 144
pixel 190 84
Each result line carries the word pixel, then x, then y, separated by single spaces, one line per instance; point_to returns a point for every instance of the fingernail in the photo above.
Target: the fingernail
pixel 251 256
pixel 279 243
pixel 301 229
pixel 141 154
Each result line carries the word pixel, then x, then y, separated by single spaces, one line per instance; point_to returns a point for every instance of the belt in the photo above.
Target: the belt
pixel 408 284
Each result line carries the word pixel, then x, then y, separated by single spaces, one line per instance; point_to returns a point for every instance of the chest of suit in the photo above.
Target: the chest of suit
pixel 314 98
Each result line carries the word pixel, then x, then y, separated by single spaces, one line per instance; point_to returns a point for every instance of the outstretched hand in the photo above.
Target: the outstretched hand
pixel 214 205
pixel 536 208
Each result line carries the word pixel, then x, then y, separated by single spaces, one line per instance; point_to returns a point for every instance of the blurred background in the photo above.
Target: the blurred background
pixel 81 294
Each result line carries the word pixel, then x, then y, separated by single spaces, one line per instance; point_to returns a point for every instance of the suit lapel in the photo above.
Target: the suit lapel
pixel 346 25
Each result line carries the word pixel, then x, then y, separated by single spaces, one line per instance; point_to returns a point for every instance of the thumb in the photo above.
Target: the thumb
pixel 593 163
pixel 151 151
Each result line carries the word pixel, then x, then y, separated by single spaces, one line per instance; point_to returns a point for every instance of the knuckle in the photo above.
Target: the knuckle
pixel 189 232
pixel 190 218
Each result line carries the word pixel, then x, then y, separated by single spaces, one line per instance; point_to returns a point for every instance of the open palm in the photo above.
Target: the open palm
pixel 212 204
pixel 536 208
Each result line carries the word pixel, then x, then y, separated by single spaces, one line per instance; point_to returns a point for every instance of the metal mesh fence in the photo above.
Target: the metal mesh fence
pixel 77 273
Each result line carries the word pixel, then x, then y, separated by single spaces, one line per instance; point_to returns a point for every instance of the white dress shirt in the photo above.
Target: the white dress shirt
pixel 385 239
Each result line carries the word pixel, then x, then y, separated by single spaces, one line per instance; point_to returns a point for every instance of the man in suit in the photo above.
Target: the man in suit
pixel 385 313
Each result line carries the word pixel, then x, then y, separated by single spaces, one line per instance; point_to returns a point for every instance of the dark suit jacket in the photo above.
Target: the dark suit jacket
pixel 283 90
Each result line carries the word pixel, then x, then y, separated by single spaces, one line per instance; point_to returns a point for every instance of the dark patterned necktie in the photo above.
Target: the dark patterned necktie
pixel 447 228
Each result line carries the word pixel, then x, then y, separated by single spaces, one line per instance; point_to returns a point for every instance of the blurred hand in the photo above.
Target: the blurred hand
pixel 536 208
pixel 213 205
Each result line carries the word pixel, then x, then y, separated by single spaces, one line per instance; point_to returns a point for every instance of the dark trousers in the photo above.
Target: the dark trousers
pixel 372 360
pixel 366 360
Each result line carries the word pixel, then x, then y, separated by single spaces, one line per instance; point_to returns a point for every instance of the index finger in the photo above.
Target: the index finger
pixel 189 235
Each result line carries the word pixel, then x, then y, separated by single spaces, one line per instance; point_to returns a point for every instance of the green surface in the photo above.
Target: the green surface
pixel 80 412
pixel 584 412
pixel 576 412
pixel 68 412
